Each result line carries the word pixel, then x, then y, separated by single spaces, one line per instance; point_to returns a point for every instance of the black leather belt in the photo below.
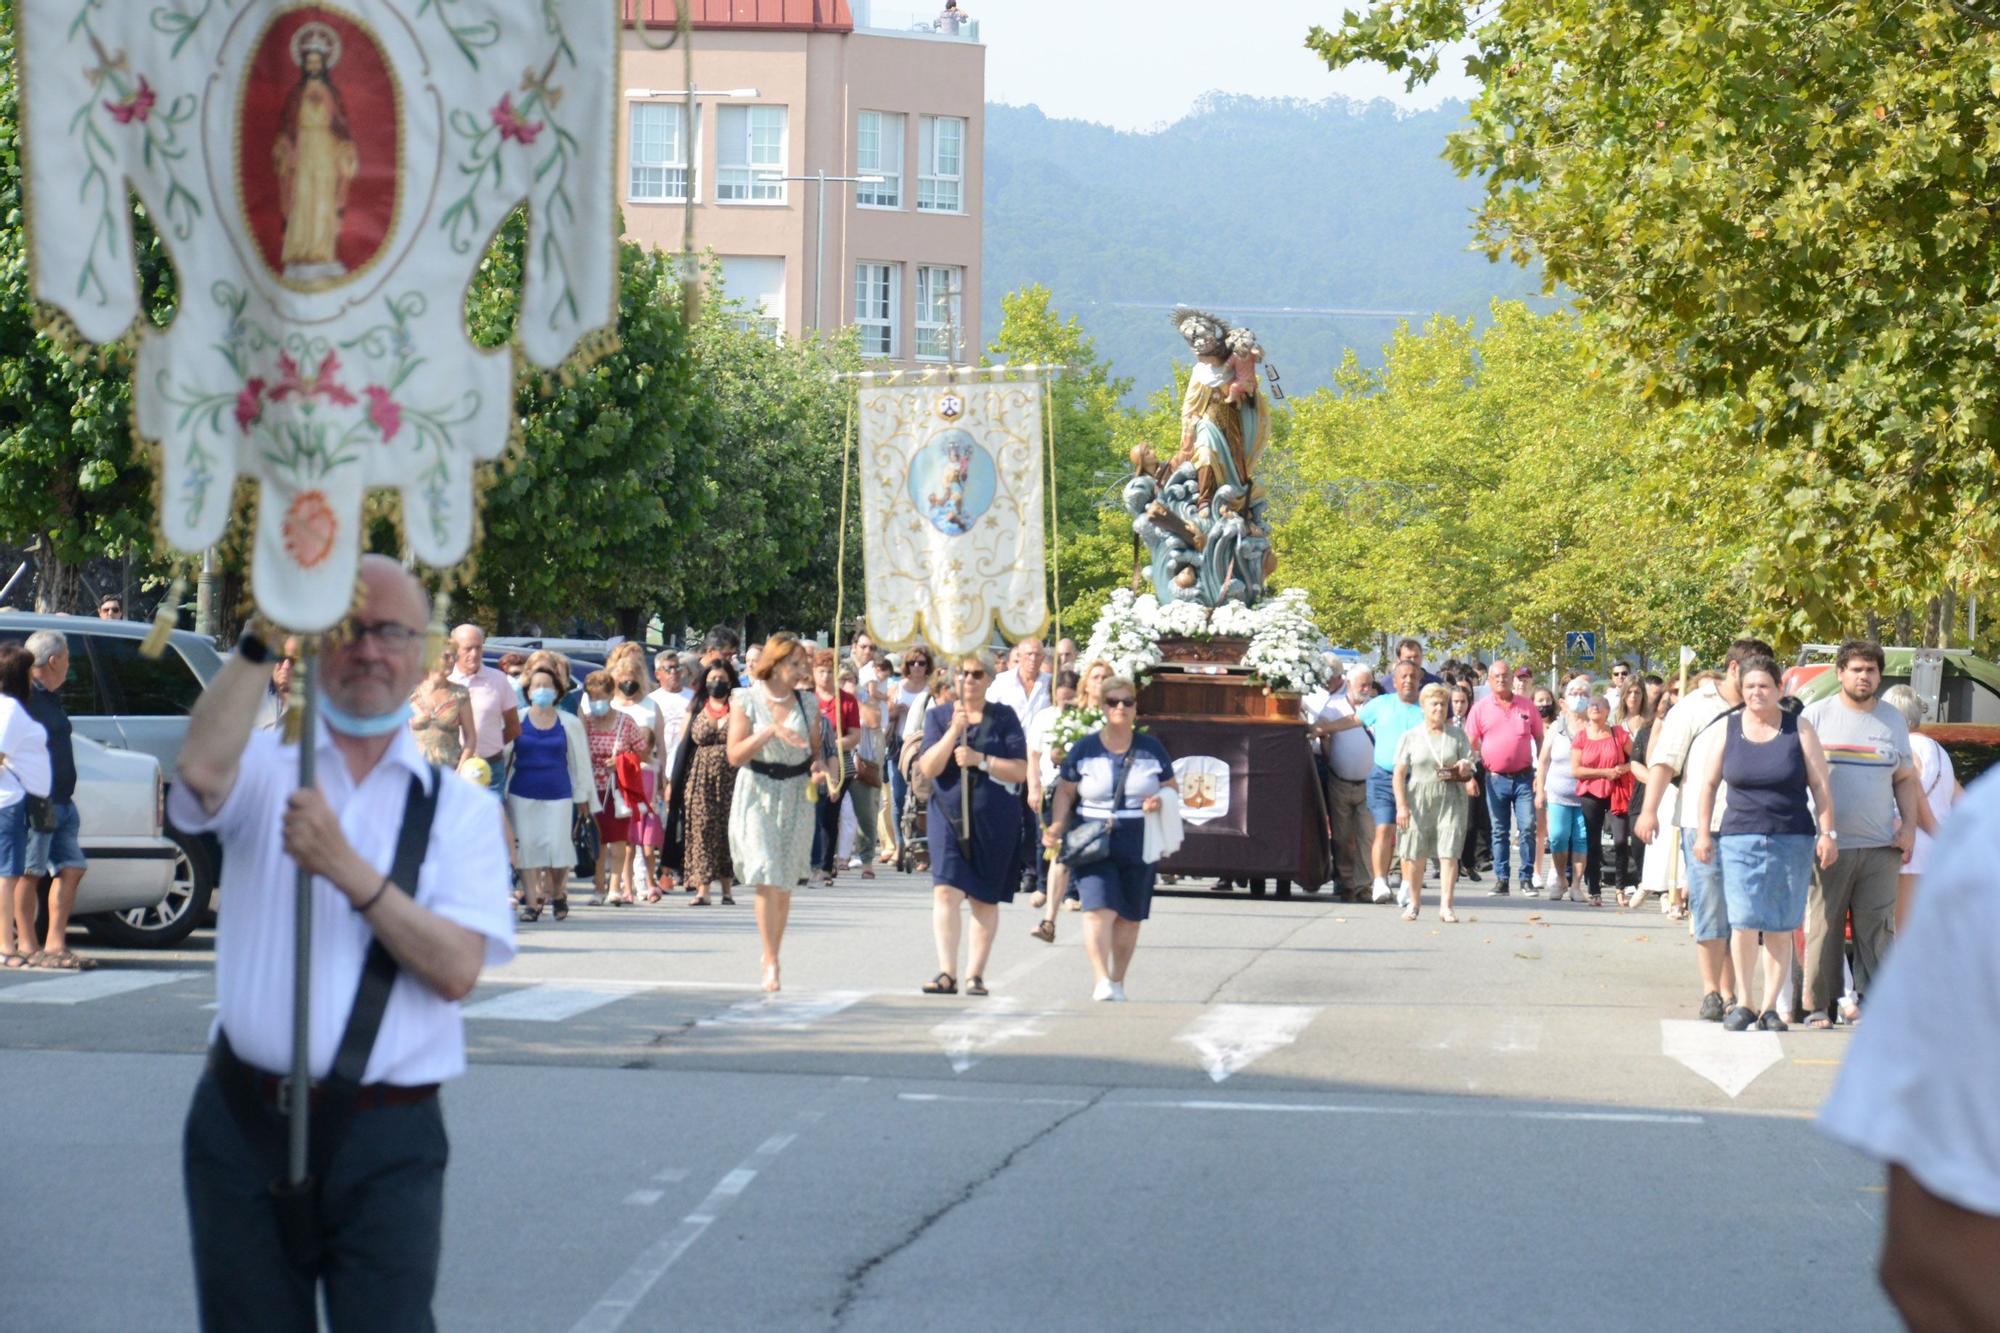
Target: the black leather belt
pixel 269 1089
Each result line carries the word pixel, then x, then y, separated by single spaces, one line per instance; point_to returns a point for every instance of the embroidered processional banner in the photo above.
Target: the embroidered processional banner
pixel 326 178
pixel 951 485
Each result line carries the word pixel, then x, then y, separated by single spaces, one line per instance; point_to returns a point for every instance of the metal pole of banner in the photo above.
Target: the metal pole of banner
pixel 1055 512
pixel 840 550
pixel 298 1083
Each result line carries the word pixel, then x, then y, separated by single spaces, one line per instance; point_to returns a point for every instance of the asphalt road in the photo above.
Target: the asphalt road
pixel 1311 1115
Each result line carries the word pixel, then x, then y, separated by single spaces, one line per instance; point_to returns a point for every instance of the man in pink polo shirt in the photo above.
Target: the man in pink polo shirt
pixel 1504 729
pixel 496 710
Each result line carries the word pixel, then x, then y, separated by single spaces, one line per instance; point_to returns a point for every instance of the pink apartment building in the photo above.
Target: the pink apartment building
pixel 794 88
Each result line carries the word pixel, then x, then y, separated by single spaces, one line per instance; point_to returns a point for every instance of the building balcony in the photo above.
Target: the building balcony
pixel 922 25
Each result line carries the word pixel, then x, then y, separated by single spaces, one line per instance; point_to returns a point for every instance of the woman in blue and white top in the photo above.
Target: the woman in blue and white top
pixel 1117 892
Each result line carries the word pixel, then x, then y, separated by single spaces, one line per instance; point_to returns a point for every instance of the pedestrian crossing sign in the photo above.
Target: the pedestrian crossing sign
pixel 1581 644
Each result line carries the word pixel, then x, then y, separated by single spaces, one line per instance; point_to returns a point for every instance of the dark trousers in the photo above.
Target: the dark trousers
pixel 826 831
pixel 899 795
pixel 1596 809
pixel 381 1211
pixel 1628 854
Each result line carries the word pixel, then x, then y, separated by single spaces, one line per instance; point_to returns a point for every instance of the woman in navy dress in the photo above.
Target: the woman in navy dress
pixel 981 745
pixel 1117 891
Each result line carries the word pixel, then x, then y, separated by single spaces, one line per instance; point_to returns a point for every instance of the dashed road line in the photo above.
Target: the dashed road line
pixel 97 984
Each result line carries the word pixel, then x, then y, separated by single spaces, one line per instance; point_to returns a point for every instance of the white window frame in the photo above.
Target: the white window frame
pixel 879 135
pixel 878 307
pixel 737 183
pixel 678 118
pixel 931 330
pixel 935 184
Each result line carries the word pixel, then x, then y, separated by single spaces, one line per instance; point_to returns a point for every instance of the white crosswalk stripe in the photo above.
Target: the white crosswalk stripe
pixel 79 987
pixel 549 1002
pixel 787 1012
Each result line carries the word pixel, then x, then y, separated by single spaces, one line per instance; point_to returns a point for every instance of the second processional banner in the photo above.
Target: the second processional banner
pixel 952 506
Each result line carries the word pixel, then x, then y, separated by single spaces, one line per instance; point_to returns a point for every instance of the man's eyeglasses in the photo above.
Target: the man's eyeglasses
pixel 1121 703
pixel 388 633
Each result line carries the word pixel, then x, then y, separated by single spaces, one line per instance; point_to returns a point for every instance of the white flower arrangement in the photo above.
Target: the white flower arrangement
pixel 1072 725
pixel 1285 643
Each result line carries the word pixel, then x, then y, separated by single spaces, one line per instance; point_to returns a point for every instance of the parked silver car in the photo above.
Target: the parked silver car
pixel 122 700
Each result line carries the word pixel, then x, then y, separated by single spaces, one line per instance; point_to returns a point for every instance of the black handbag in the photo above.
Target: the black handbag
pixel 1086 844
pixel 41 812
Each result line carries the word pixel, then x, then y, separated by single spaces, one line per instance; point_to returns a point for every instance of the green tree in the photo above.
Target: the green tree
pixel 1782 215
pixel 606 485
pixel 1478 485
pixel 72 480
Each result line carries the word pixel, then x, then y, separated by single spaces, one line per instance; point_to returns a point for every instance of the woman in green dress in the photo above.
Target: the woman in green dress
pixel 1433 779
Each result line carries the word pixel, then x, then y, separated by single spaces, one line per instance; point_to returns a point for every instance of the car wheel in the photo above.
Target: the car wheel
pixel 170 920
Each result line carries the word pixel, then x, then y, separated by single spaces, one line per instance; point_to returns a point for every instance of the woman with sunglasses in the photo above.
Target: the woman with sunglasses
pixel 1117 892
pixel 976 756
pixel 906 706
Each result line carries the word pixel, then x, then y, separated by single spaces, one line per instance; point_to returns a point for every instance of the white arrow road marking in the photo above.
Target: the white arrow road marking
pixel 790 1012
pixel 1730 1060
pixel 1230 1037
pixel 981 1029
pixel 96 984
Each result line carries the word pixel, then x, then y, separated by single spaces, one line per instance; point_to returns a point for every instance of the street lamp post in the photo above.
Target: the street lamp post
pixel 823 180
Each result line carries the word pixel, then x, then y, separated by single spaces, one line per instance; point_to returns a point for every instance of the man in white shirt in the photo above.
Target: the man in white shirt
pixel 1024 689
pixel 673 699
pixel 1681 744
pixel 372 1215
pixel 871 696
pixel 1347 757
pixel 1918 1091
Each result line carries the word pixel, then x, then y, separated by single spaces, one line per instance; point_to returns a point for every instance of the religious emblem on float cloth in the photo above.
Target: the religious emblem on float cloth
pixel 327 178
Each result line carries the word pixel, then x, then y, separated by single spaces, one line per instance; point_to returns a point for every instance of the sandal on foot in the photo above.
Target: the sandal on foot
pixel 941 984
pixel 63 960
pixel 13 961
pixel 561 909
pixel 976 986
pixel 1410 912
pixel 1045 932
pixel 728 901
pixel 698 902
pixel 1818 1019
pixel 1449 917
pixel 530 915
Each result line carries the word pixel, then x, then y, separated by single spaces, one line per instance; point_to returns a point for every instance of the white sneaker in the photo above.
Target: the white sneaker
pixel 1104 990
pixel 1381 892
pixel 854 863
pixel 1118 991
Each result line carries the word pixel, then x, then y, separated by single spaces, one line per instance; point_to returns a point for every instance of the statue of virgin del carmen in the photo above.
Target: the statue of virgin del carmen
pixel 1202 515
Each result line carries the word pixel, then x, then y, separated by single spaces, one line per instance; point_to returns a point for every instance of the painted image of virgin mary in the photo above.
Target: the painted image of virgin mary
pixel 315 159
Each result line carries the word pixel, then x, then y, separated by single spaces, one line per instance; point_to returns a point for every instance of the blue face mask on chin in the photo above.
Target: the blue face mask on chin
pixel 364 728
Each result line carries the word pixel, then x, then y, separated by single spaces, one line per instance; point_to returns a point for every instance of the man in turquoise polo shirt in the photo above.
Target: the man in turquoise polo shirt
pixel 1386 717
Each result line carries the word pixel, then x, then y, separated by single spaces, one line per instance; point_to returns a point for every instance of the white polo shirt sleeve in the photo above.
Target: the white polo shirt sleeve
pixel 1918 1089
pixel 466 877
pixel 258 773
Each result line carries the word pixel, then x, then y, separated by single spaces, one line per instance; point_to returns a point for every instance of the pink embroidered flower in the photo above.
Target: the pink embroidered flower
pixel 249 405
pixel 320 384
pixel 137 107
pixel 383 412
pixel 512 126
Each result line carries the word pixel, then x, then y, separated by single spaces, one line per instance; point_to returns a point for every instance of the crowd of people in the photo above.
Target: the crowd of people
pixel 1777 830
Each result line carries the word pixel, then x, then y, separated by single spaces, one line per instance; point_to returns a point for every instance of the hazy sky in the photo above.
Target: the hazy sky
pixel 1135 64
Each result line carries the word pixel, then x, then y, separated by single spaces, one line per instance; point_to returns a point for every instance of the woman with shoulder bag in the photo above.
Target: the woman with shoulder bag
pixel 976 757
pixel 1113 782
pixel 776 737
pixel 702 784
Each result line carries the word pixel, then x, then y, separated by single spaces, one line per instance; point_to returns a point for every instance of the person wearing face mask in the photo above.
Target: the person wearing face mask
pixel 1556 794
pixel 703 783
pixel 627 665
pixel 551 781
pixel 372 1217
pixel 610 735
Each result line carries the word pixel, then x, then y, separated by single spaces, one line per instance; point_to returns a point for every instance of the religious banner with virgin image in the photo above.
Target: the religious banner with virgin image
pixel 326 178
pixel 952 498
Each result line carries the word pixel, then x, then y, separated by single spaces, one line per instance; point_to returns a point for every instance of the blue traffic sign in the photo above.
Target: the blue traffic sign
pixel 1581 644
